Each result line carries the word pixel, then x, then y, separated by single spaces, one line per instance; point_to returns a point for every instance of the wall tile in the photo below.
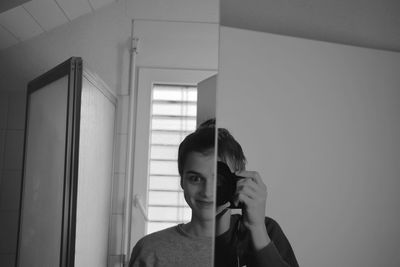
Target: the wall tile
pixel 8 231
pixel 8 260
pixel 16 110
pixel 1 178
pixel 115 261
pixel 122 114
pixel 118 193
pixel 2 145
pixel 10 188
pixel 3 109
pixel 13 150
pixel 120 153
pixel 116 235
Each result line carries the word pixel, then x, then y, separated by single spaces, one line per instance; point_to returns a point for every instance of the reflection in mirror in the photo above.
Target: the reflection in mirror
pixel 173 96
pixel 174 204
pixel 320 124
pixel 173 36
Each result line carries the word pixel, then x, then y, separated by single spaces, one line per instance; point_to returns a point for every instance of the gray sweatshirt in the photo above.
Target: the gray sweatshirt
pixel 172 247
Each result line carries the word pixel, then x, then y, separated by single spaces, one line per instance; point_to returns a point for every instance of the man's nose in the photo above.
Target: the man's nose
pixel 208 189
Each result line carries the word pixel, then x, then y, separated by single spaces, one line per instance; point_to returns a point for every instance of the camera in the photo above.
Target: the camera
pixel 226 185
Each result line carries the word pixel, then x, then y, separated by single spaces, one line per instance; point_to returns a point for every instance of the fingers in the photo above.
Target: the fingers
pixel 248 190
pixel 243 198
pixel 253 175
pixel 248 187
pixel 251 192
pixel 250 200
pixel 252 179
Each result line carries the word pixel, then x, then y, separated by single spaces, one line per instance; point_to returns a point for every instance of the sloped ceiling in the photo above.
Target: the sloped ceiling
pixel 35 17
pixel 372 23
pixel 9 4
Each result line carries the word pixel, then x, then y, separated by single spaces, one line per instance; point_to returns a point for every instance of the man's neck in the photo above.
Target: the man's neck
pixel 200 228
pixel 206 228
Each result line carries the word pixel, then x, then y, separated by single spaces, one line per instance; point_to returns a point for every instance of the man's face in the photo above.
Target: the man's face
pixel 198 185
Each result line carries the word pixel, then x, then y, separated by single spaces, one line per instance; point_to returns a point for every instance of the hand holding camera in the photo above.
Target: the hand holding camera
pixel 244 190
pixel 251 193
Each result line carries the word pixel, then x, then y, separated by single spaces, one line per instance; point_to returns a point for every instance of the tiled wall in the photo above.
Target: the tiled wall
pixel 117 217
pixel 12 123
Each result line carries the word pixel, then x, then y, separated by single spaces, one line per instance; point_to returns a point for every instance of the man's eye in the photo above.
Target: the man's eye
pixel 195 179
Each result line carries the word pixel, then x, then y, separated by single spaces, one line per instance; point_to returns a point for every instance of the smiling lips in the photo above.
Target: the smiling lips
pixel 205 203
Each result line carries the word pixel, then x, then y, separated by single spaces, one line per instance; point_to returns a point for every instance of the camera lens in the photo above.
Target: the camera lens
pixel 226 184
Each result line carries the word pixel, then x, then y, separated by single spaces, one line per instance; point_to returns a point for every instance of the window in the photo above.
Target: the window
pixel 173 117
pixel 170 102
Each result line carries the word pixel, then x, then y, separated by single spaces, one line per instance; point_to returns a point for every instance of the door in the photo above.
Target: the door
pixel 67 169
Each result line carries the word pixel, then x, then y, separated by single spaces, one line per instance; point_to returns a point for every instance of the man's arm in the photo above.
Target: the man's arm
pixel 277 253
pixel 267 250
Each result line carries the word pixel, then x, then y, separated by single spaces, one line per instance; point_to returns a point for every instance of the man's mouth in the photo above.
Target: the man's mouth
pixel 205 203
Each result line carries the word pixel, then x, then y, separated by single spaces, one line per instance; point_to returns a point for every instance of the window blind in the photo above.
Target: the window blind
pixel 173 117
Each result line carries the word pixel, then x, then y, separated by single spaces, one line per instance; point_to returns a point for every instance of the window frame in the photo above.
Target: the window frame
pixel 145 80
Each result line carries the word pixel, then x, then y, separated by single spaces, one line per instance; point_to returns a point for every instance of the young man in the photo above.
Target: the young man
pixel 250 239
pixel 187 244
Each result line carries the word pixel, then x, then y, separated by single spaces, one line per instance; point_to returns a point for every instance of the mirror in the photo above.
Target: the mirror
pixel 173 36
pixel 171 104
pixel 319 122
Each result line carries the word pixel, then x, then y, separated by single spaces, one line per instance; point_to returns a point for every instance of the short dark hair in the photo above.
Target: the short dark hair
pixel 203 140
pixel 230 149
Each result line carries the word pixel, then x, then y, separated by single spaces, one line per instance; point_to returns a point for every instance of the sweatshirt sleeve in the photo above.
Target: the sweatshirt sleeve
pixel 278 253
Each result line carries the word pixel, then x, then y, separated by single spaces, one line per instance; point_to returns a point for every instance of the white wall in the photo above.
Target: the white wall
pixel 321 123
